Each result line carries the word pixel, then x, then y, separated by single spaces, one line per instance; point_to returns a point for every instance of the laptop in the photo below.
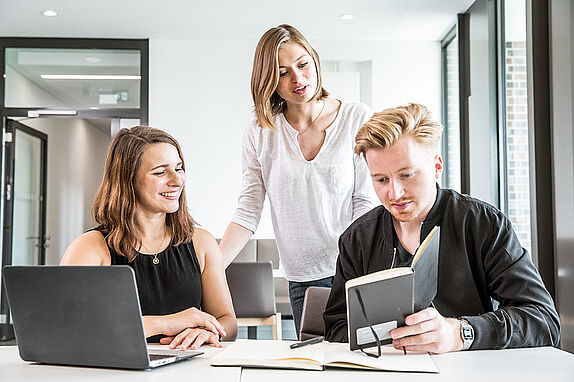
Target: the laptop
pixel 81 315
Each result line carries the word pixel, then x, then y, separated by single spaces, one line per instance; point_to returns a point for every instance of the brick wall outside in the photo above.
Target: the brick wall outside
pixel 517 141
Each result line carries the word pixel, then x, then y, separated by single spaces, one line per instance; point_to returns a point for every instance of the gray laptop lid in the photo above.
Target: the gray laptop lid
pixel 88 316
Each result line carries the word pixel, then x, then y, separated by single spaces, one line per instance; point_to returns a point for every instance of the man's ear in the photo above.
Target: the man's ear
pixel 438 166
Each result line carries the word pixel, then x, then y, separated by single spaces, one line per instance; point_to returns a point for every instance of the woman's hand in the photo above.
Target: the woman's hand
pixel 174 324
pixel 191 318
pixel 192 339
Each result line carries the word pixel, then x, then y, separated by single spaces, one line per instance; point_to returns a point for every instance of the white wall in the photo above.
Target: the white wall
pixel 200 93
pixel 76 157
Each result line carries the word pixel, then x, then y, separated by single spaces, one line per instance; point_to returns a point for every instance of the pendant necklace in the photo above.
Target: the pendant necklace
pixel 155 259
pixel 312 122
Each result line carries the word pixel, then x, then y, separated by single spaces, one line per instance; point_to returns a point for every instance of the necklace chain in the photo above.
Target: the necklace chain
pixel 155 253
pixel 312 122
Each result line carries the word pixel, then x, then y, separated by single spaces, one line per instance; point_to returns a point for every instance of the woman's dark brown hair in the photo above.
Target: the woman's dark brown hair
pixel 115 202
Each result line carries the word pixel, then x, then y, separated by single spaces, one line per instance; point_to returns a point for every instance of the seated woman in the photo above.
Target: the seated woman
pixel 144 222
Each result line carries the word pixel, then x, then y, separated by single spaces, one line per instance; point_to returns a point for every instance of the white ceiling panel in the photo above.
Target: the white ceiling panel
pixel 230 19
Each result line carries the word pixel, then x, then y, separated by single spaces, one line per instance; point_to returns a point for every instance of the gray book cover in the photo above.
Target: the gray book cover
pixel 389 296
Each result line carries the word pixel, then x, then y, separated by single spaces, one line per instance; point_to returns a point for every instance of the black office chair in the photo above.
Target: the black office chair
pixel 253 294
pixel 312 324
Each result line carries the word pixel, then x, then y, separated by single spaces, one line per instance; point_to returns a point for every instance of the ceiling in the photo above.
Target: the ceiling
pixel 229 19
pixel 426 20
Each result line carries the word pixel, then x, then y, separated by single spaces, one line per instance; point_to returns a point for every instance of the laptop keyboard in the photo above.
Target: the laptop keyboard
pixel 154 357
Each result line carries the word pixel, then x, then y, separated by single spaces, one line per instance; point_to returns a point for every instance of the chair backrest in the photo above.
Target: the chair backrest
pixel 312 324
pixel 252 290
pixel 267 251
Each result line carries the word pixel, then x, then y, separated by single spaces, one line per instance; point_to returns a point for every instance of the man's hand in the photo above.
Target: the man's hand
pixel 428 331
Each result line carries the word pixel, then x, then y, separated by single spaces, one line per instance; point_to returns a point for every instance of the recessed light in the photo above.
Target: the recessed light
pixel 93 60
pixel 50 13
pixel 346 17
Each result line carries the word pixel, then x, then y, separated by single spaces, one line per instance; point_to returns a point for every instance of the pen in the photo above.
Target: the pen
pixel 310 341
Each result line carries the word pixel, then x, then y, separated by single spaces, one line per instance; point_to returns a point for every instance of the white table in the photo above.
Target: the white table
pixel 523 365
pixel 12 368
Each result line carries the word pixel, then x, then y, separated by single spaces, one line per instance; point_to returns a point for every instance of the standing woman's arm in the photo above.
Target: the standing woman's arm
pixel 250 203
pixel 216 299
pixel 233 241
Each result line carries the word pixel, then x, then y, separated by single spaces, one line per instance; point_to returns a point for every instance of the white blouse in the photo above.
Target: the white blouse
pixel 312 202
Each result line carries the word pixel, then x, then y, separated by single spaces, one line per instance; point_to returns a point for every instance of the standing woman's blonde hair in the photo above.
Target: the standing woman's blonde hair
pixel 265 74
pixel 115 202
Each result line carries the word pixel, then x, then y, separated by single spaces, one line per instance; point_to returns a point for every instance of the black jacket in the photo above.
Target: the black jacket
pixel 484 274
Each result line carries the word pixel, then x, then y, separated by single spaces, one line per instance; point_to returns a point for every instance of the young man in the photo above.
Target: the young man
pixel 489 294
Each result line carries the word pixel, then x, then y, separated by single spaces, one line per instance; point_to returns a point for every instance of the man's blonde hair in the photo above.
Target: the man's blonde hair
pixel 387 127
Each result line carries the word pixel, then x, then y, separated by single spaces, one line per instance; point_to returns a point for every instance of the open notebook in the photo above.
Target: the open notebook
pixel 278 355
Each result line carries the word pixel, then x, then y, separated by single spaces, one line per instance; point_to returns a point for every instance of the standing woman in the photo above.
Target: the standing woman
pixel 299 152
pixel 144 223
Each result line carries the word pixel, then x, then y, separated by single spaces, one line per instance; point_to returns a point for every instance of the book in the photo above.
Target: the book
pixel 383 299
pixel 278 355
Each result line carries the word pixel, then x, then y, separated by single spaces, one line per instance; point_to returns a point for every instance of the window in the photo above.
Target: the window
pixel 515 169
pixel 451 115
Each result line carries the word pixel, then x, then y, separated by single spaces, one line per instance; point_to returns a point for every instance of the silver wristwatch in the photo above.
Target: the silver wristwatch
pixel 466 334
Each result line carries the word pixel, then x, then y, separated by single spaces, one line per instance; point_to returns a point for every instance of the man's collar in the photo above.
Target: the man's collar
pixel 435 214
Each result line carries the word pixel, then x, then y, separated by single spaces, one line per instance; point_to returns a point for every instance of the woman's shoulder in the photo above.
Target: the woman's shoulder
pixel 353 115
pixel 201 234
pixel 356 109
pixel 254 131
pixel 90 248
pixel 203 241
pixel 205 246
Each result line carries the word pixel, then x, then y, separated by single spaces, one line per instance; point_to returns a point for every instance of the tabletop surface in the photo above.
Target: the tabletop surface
pixel 534 364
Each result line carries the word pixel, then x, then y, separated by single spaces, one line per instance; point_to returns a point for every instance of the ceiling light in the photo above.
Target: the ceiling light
pixel 87 77
pixel 346 17
pixel 50 13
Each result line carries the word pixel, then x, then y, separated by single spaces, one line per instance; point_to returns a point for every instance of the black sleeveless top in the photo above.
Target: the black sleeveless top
pixel 172 285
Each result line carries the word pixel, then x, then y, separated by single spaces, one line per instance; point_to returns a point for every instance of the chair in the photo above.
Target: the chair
pixel 267 251
pixel 253 294
pixel 312 324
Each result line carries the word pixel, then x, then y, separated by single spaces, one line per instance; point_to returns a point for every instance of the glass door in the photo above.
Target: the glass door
pixel 24 199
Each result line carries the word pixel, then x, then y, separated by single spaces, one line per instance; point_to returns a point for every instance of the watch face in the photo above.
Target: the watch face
pixel 467 333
